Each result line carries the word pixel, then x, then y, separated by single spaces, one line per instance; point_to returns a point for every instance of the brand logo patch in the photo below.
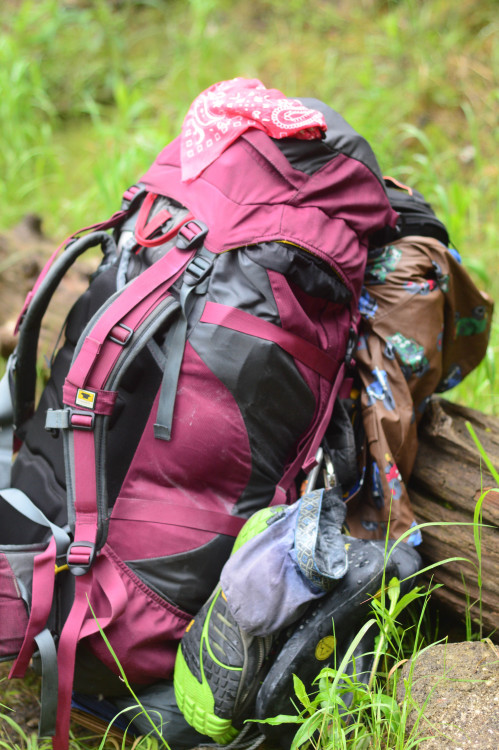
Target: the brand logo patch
pixel 85 398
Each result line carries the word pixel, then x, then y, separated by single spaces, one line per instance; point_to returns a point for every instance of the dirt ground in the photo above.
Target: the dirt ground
pixel 19 701
pixel 457 687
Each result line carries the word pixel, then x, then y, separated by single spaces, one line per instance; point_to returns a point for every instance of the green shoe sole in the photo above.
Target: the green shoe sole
pixel 196 702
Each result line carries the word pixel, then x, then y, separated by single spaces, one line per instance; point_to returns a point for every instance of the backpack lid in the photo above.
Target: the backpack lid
pixel 326 196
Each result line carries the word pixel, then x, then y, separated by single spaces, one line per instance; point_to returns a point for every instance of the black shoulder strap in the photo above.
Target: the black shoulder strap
pixel 24 366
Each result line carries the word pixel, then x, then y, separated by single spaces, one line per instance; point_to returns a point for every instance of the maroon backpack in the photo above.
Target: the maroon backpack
pixel 196 379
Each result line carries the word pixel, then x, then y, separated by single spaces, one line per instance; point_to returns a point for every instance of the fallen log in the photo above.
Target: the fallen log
pixel 448 481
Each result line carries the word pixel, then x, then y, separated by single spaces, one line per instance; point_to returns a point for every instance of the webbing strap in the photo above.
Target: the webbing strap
pixel 41 604
pixel 179 515
pixel 145 229
pixel 48 697
pixel 91 369
pixel 175 347
pixel 307 450
pixel 81 623
pixel 24 505
pixel 67 657
pixel 299 348
pixel 197 271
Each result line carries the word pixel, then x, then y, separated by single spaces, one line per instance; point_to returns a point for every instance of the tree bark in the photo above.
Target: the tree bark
pixel 448 482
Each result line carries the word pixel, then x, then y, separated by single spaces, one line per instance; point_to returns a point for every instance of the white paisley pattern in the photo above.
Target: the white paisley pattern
pixel 225 110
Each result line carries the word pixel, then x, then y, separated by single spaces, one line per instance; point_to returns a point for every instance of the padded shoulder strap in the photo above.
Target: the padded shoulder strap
pixel 6 429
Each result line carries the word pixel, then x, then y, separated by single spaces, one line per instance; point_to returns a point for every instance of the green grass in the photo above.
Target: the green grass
pixel 91 91
pixel 348 711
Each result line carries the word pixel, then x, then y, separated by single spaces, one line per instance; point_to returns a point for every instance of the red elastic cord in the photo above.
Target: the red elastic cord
pixel 144 229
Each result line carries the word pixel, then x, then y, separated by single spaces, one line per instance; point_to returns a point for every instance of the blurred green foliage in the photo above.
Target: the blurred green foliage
pixel 91 90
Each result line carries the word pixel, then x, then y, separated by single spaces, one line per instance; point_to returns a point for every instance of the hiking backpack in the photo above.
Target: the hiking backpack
pixel 196 379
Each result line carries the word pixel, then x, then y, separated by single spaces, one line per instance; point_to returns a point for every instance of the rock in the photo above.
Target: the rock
pixel 29 228
pixel 454 690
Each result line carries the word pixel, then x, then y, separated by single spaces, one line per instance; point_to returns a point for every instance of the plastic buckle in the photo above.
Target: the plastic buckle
pixel 80 420
pixel 80 557
pixel 132 196
pixel 191 234
pixel 197 270
pixel 115 336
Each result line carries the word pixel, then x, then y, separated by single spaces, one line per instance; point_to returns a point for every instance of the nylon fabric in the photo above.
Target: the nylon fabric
pixel 140 510
pixel 327 213
pixel 50 673
pixel 147 658
pixel 41 604
pixel 13 615
pixel 424 326
pixel 298 347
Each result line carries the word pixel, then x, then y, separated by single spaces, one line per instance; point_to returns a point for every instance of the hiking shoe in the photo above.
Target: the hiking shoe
pixel 218 666
pixel 323 636
pixel 218 671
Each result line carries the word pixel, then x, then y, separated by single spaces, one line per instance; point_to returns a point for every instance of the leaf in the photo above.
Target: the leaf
pixel 394 590
pixel 280 719
pixel 351 649
pixel 387 703
pixel 301 692
pixel 308 729
pixel 482 452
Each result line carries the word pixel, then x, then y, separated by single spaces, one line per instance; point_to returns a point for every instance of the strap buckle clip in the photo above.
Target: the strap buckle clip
pixel 80 420
pixel 80 557
pixel 191 234
pixel 121 334
pixel 197 270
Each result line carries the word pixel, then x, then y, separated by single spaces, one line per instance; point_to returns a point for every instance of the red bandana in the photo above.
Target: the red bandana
pixel 224 111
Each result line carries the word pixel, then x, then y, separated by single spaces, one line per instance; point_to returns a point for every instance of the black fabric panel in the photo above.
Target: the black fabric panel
pixel 16 529
pixel 177 577
pixel 416 218
pixel 90 301
pixel 92 677
pixel 340 138
pixel 275 402
pixel 304 269
pixel 238 281
pixel 135 399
